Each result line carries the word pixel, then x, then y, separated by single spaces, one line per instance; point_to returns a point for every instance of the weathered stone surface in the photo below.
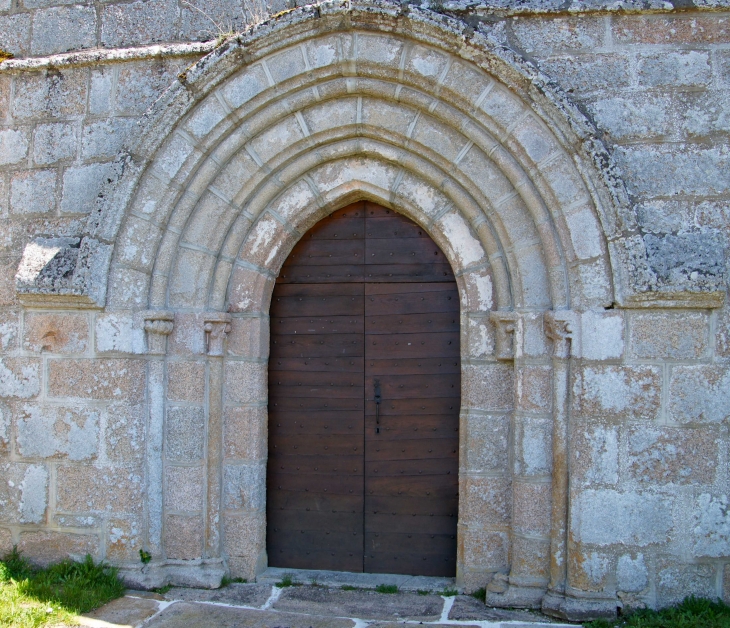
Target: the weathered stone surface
pixel 245 382
pixel 485 501
pixel 96 379
pixel 467 608
pixel 245 486
pixel 53 431
pixel 186 381
pixel 54 142
pixel 487 437
pixel 123 538
pixel 184 614
pixel 46 547
pixel 59 29
pixel 81 187
pixel 33 192
pixel 235 594
pixel 675 580
pixel 618 391
pixel 667 336
pixel 13 146
pixel 485 550
pixel 85 488
pixel 595 454
pixel 184 488
pixel 488 386
pixel 184 434
pixel 602 335
pixel 589 570
pixel 183 537
pixel 124 434
pixel 23 493
pixel 6 541
pixel 699 394
pixel 631 573
pixel 361 604
pixel 138 22
pixel 711 534
pixel 679 456
pixel 245 433
pixel 604 517
pixel 531 507
pixel 54 94
pixel 244 536
pixel 56 333
pixel 19 377
pixel 125 611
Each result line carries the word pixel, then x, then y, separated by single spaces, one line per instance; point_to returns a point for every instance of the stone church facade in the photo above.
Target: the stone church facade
pixel 570 160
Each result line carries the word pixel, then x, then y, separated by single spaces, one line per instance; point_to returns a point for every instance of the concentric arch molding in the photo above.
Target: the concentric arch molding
pixel 462 135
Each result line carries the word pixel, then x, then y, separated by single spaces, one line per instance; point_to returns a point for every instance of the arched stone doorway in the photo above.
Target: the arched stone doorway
pixel 364 400
pixel 322 107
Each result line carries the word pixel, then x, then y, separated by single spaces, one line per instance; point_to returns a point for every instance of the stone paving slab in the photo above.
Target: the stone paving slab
pixel 360 604
pixel 124 612
pixel 466 608
pixel 235 594
pixel 191 615
pixel 363 580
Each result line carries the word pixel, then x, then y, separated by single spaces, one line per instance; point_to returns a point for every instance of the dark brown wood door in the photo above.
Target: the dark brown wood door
pixel 365 309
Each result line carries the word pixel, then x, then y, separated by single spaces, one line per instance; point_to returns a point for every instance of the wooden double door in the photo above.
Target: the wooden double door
pixel 364 395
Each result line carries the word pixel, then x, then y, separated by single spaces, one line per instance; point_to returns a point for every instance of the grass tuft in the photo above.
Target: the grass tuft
pixel 480 594
pixel 225 581
pixel 162 590
pixel 386 588
pixel 449 592
pixel 286 581
pixel 349 587
pixel 423 592
pixel 32 597
pixel 693 612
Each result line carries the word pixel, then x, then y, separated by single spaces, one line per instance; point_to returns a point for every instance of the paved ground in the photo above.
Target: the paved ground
pixel 264 605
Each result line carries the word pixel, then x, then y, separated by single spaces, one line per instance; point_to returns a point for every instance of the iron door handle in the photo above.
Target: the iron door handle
pixel 377 406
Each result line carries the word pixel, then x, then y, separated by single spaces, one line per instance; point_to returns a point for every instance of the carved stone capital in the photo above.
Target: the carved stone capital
pixel 158 325
pixel 505 339
pixel 563 328
pixel 216 326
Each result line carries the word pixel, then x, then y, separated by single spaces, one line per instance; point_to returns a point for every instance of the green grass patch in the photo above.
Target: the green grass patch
pixel 287 581
pixel 349 587
pixel 163 590
pixel 225 581
pixel 692 613
pixel 480 594
pixel 449 592
pixel 31 597
pixel 386 588
pixel 422 592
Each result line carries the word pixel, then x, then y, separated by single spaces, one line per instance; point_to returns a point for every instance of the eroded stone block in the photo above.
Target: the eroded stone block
pixel 183 537
pixel 245 382
pixel 245 433
pixel 53 431
pixel 184 488
pixel 699 394
pixel 485 501
pixel 679 456
pixel 97 379
pixel 618 391
pixel 23 493
pixel 184 434
pixel 84 488
pixel 244 486
pixel 603 517
pixel 45 547
pixel 56 333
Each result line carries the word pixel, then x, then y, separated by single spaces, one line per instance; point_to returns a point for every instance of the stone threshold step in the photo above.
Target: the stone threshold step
pixel 361 580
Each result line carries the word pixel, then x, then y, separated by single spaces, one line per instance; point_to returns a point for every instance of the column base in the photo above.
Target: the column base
pixel 505 594
pixel 578 607
pixel 202 574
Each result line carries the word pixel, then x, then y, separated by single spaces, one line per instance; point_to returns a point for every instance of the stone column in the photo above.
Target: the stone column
pixel 217 325
pixel 526 582
pixel 561 327
pixel 158 326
